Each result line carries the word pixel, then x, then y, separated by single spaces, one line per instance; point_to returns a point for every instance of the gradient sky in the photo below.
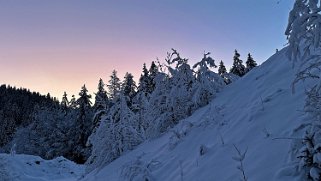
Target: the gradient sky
pixel 58 45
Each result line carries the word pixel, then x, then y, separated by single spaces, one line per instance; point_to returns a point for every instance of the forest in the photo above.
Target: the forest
pixel 121 114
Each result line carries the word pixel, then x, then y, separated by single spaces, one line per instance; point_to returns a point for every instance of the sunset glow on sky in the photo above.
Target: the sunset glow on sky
pixel 59 45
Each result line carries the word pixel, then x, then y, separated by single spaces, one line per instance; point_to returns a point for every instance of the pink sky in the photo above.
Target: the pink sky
pixel 57 46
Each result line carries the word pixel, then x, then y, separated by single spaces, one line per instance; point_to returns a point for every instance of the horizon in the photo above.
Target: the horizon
pixel 52 47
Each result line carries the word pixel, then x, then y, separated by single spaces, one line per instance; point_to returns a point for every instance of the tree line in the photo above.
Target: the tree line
pixel 123 114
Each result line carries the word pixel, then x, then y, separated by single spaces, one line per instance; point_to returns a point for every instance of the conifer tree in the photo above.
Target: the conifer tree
pixel 129 86
pixel 238 68
pixel 153 70
pixel 303 30
pixel 114 87
pixel 101 103
pixel 83 124
pixel 221 68
pixel 158 105
pixel 117 134
pixel 72 102
pixel 141 106
pixel 84 98
pixel 101 98
pixel 250 63
pixel 144 81
pixel 208 82
pixel 182 80
pixel 64 101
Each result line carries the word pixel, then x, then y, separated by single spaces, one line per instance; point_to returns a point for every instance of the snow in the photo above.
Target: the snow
pixel 255 113
pixel 33 168
pixel 247 127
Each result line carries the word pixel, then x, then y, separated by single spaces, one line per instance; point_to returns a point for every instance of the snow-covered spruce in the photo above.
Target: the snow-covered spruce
pixel 303 29
pixel 304 33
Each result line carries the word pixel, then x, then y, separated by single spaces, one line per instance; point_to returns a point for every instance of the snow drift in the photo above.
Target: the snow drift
pixel 34 168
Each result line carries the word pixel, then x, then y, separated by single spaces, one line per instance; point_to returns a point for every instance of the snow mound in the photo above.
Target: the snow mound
pixel 253 114
pixel 34 168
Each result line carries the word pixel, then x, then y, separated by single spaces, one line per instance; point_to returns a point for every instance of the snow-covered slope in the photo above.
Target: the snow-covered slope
pixel 34 168
pixel 249 114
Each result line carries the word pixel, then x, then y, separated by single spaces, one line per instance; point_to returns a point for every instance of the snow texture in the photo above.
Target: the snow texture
pixel 33 168
pixel 257 113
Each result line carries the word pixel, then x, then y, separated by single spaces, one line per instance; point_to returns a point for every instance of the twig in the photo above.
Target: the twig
pixel 240 158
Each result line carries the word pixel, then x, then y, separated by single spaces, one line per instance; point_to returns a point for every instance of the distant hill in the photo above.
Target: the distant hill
pixel 17 106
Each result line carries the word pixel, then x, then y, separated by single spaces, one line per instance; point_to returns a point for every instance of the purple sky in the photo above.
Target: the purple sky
pixel 58 45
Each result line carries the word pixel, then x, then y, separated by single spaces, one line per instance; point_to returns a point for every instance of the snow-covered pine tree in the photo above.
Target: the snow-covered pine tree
pixel 114 87
pixel 310 152
pixel 250 63
pixel 84 98
pixel 83 124
pixel 304 33
pixel 117 133
pixel 128 127
pixel 238 68
pixel 221 68
pixel 228 77
pixel 103 141
pixel 144 81
pixel 158 107
pixel 208 83
pixel 101 104
pixel 129 86
pixel 303 29
pixel 101 98
pixel 141 106
pixel 153 70
pixel 182 80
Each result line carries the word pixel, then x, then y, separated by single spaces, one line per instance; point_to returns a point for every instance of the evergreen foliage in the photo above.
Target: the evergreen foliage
pixel 238 68
pixel 101 105
pixel 208 83
pixel 221 68
pixel 303 32
pixel 303 29
pixel 129 86
pixel 118 133
pixel 101 98
pixel 17 109
pixel 250 63
pixel 114 87
pixel 83 124
pixel 161 101
pixel 64 101
pixel 153 70
pixel 120 119
pixel 144 81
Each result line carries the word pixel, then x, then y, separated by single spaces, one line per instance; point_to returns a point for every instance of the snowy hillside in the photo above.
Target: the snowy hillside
pixel 249 114
pixel 34 168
